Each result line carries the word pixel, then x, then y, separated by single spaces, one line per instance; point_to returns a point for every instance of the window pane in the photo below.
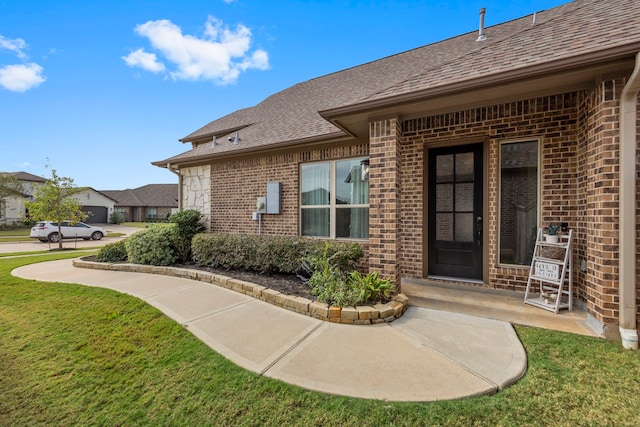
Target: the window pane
pixel 315 222
pixel 464 197
pixel 444 168
pixel 444 226
pixel 464 227
pixel 350 187
pixel 444 197
pixel 352 223
pixel 464 167
pixel 518 201
pixel 315 184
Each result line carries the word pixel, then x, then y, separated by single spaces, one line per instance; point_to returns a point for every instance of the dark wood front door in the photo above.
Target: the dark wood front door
pixel 455 211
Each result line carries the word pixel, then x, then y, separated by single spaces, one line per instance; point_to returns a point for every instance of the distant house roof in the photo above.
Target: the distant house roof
pixel 150 195
pixel 570 37
pixel 26 176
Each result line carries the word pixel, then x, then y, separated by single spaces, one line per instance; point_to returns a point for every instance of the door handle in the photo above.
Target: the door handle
pixel 479 230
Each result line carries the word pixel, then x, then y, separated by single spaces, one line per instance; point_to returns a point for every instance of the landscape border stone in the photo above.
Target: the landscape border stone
pixel 360 315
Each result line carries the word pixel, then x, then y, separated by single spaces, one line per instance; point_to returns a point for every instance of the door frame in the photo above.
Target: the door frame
pixel 487 240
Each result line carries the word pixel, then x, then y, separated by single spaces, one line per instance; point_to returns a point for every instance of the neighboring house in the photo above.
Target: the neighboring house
pixel 149 202
pixel 12 211
pixel 464 148
pixel 97 205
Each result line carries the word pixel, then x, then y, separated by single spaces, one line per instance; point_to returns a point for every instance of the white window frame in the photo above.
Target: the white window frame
pixel 333 206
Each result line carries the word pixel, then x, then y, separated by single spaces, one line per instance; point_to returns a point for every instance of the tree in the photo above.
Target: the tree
pixel 53 202
pixel 10 186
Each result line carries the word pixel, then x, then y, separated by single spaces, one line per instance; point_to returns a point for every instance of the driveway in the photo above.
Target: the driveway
pixel 34 245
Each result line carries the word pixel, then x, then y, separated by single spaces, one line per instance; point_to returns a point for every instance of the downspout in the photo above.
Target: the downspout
pixel 627 265
pixel 177 172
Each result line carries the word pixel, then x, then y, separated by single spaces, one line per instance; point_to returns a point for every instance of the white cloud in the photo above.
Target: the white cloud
pixel 14 45
pixel 21 77
pixel 220 55
pixel 145 60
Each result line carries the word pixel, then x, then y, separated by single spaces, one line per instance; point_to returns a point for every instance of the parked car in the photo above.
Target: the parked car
pixel 48 231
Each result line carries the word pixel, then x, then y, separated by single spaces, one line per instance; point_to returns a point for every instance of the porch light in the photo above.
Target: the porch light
pixel 364 169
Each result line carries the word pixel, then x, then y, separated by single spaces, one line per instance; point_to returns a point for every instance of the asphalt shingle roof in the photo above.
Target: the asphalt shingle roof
pixel 579 29
pixel 150 195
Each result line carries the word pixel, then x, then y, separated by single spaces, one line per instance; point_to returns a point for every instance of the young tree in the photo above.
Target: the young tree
pixel 53 202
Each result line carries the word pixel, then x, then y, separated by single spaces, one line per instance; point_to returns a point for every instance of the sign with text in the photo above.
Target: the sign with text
pixel 547 270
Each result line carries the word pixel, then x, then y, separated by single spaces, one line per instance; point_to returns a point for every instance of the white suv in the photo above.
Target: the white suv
pixel 48 231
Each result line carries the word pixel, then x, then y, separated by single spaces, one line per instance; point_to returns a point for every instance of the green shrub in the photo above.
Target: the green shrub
pixel 329 283
pixel 116 218
pixel 113 252
pixel 188 223
pixel 154 245
pixel 268 254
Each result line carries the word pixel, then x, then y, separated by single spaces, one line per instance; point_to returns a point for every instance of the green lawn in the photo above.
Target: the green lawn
pixel 74 355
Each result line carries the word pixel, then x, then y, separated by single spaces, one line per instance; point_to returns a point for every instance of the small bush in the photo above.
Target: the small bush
pixel 113 252
pixel 268 254
pixel 154 245
pixel 116 218
pixel 188 223
pixel 329 283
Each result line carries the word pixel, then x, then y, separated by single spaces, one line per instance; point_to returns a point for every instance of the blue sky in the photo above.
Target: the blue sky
pixel 99 89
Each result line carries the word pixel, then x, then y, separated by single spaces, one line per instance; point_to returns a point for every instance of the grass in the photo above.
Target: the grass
pixel 76 355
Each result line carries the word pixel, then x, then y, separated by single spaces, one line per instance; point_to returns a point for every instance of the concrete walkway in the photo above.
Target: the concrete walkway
pixel 426 355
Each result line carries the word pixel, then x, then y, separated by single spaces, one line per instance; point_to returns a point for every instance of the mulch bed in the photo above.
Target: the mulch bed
pixel 288 284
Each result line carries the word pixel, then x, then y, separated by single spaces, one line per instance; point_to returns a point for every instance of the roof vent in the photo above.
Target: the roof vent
pixel 481 36
pixel 234 138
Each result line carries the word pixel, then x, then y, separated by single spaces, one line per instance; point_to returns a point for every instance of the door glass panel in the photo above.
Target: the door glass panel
pixel 444 168
pixel 464 197
pixel 444 197
pixel 464 227
pixel 464 167
pixel 444 226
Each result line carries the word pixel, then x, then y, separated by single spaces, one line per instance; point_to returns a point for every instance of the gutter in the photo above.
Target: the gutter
pixel 627 263
pixel 177 172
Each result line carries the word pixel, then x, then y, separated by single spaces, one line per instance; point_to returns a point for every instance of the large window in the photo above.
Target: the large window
pixel 334 199
pixel 518 201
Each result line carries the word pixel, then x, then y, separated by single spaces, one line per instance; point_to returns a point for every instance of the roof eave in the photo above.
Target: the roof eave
pixel 330 137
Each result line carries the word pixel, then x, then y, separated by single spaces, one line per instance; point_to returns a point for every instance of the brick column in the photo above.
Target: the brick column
pixel 384 198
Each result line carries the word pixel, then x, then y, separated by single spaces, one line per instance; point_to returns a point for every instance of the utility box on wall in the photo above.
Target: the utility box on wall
pixel 273 197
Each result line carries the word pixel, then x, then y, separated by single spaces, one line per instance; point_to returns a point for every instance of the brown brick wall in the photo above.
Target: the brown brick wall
pixel 384 198
pixel 237 183
pixel 552 119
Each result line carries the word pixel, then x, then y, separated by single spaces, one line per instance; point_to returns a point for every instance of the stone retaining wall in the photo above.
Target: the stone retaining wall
pixel 360 315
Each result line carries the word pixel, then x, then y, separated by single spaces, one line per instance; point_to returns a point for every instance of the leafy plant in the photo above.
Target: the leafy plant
pixel 372 287
pixel 188 223
pixel 329 283
pixel 552 229
pixel 116 218
pixel 113 252
pixel 152 246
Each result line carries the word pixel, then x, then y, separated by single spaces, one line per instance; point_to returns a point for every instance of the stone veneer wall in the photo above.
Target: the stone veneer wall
pixel 196 190
pixel 552 119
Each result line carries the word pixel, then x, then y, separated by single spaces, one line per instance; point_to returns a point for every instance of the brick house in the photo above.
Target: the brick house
pixel 150 202
pixel 444 160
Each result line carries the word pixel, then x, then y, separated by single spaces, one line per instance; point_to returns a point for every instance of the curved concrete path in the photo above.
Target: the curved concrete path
pixel 424 356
